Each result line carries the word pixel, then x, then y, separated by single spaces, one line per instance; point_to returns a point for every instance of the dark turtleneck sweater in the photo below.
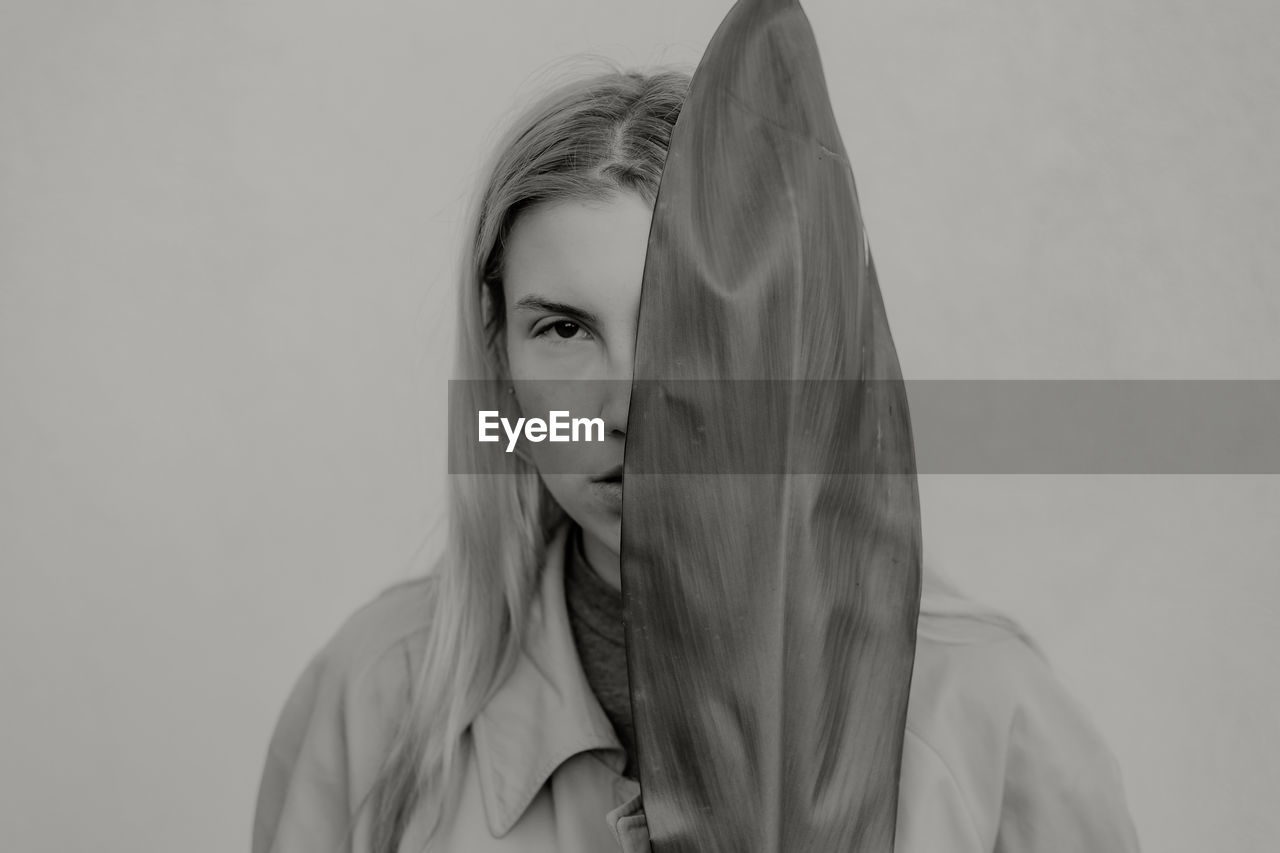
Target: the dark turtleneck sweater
pixel 595 618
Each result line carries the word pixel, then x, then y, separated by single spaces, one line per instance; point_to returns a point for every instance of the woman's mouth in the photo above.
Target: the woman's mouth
pixel 613 475
pixel 608 489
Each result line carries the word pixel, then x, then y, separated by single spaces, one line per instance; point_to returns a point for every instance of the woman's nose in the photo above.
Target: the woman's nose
pixel 616 407
pixel 616 404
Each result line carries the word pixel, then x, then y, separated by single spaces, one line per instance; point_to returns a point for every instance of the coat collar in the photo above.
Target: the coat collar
pixel 544 713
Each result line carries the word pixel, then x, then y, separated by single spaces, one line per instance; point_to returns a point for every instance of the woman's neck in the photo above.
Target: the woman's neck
pixel 602 559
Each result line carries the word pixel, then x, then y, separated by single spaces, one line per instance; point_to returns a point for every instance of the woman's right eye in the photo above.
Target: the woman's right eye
pixel 560 330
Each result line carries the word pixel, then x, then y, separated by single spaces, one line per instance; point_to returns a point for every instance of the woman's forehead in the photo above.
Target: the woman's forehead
pixel 579 251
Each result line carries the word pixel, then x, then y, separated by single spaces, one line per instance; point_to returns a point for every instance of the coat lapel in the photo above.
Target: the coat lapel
pixel 544 713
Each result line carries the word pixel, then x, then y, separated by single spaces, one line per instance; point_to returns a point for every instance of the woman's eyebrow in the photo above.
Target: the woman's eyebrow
pixel 539 303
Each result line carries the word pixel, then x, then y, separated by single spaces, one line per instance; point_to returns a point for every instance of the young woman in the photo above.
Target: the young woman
pixel 485 707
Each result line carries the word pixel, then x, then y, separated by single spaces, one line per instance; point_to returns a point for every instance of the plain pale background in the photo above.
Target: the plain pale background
pixel 227 237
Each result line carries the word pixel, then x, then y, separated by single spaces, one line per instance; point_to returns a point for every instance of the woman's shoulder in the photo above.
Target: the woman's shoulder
pixel 334 731
pixel 969 681
pixel 974 665
pixel 991 721
pixel 376 648
pixel 391 624
pixel 367 666
pixel 971 662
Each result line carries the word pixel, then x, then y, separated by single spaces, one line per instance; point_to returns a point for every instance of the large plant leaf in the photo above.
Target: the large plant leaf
pixel 771 531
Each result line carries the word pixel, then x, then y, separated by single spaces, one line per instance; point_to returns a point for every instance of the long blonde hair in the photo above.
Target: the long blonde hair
pixel 585 140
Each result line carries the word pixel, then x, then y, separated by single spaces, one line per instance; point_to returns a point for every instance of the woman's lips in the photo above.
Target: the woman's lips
pixel 612 475
pixel 609 493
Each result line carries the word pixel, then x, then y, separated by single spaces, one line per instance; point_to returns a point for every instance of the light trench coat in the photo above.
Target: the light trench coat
pixel 997 757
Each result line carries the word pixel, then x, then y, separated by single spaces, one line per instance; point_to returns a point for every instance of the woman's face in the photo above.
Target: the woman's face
pixel 572 287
